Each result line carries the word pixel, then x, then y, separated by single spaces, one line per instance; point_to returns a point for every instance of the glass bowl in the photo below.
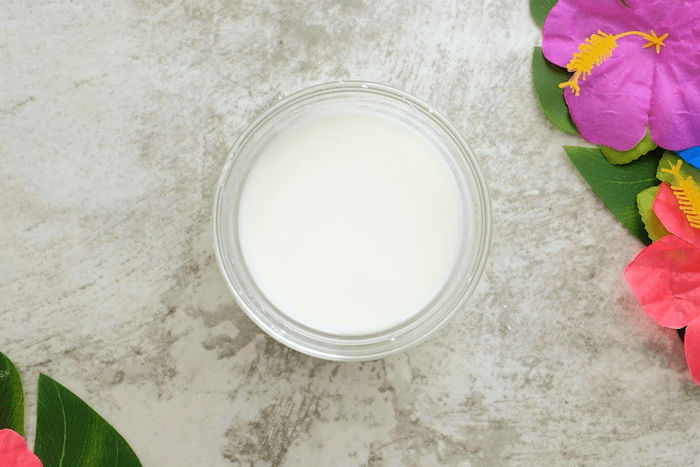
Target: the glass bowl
pixel 421 118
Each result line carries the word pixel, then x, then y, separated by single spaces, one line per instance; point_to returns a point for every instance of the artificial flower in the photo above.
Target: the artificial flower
pixel 665 276
pixel 691 156
pixel 641 64
pixel 14 451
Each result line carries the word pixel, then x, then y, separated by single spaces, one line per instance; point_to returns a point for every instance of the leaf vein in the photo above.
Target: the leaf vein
pixel 65 425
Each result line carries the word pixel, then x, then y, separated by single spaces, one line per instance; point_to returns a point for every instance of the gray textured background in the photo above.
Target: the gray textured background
pixel 116 118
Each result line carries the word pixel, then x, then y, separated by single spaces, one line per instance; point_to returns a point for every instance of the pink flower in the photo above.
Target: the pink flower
pixel 665 276
pixel 639 77
pixel 14 451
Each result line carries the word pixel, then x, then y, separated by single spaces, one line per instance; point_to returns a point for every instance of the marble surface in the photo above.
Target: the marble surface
pixel 115 120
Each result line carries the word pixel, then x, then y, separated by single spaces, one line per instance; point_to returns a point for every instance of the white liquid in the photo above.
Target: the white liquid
pixel 350 223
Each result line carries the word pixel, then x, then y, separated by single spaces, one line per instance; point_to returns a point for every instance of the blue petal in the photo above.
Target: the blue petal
pixel 691 156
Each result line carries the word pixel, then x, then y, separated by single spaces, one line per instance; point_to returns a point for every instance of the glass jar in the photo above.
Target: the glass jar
pixel 422 119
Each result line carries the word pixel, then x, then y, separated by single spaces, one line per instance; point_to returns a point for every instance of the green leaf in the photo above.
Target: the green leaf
pixel 70 434
pixel 539 9
pixel 617 185
pixel 652 224
pixel 616 157
pixel 670 159
pixel 11 397
pixel 546 78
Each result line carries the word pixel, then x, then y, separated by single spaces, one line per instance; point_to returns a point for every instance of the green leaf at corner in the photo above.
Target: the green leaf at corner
pixel 546 78
pixel 652 224
pixel 70 434
pixel 539 9
pixel 617 185
pixel 11 397
pixel 686 170
pixel 616 157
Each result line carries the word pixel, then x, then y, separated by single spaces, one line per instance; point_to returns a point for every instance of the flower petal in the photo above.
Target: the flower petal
pixel 673 14
pixel 14 451
pixel 664 276
pixel 675 105
pixel 691 156
pixel 669 213
pixel 692 350
pixel 613 106
pixel 571 21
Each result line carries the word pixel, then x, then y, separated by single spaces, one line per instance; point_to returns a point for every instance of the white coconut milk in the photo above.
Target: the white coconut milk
pixel 350 223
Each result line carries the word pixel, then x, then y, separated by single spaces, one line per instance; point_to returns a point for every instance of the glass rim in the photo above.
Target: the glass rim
pixel 370 346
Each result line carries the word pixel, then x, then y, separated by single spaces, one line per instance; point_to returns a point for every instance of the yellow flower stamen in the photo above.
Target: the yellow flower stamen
pixel 598 48
pixel 687 193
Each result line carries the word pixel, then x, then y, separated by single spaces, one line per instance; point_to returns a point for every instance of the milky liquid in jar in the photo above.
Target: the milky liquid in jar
pixel 350 223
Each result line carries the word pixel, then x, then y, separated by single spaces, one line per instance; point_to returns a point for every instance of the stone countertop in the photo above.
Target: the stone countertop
pixel 116 120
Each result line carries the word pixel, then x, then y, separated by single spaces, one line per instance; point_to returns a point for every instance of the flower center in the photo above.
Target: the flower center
pixel 687 193
pixel 598 48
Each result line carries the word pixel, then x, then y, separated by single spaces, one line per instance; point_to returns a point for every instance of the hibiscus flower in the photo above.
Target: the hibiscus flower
pixel 691 156
pixel 641 64
pixel 665 276
pixel 14 451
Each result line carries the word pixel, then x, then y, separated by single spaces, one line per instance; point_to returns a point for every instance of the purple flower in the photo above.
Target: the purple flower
pixel 636 65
